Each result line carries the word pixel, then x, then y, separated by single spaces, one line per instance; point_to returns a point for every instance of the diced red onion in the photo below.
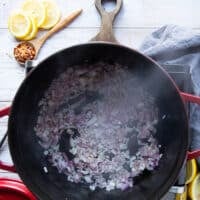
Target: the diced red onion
pixel 102 148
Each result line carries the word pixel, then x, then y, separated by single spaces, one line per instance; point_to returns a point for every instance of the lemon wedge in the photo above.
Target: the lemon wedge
pixel 36 9
pixel 34 29
pixel 194 188
pixel 53 14
pixel 19 24
pixel 191 170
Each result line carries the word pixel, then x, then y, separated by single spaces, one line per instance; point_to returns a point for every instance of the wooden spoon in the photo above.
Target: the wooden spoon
pixel 29 50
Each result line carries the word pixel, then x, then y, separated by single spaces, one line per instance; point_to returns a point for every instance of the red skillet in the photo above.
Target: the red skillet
pixel 11 189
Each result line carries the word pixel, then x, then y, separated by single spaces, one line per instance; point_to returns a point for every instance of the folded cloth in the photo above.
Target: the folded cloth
pixel 177 45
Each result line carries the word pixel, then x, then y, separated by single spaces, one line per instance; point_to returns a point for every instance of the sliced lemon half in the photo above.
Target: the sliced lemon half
pixel 19 24
pixel 194 188
pixel 53 14
pixel 191 170
pixel 36 9
pixel 34 29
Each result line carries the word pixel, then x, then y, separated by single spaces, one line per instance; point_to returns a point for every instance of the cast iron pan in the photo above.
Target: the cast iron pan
pixel 172 133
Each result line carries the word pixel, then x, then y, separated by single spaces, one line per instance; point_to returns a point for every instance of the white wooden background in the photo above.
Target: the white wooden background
pixel 136 20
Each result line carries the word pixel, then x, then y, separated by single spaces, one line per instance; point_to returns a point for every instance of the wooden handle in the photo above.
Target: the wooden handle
pixel 64 22
pixel 107 19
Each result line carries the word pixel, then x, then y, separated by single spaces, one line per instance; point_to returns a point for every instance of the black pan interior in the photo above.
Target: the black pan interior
pixel 28 155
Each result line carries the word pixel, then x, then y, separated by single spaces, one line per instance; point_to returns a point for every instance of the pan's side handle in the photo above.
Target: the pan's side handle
pixel 107 19
pixel 5 166
pixel 193 154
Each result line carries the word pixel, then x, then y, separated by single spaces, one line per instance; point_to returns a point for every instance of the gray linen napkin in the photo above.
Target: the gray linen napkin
pixel 177 45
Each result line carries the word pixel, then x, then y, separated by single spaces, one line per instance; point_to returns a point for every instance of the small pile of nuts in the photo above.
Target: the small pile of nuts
pixel 24 51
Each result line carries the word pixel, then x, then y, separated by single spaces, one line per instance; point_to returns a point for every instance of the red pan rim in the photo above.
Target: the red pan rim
pixel 13 189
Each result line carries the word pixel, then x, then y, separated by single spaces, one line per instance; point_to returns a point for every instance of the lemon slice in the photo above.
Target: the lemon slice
pixel 53 14
pixel 191 170
pixel 194 188
pixel 36 9
pixel 34 29
pixel 19 24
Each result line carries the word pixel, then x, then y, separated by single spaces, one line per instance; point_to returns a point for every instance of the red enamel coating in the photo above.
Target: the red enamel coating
pixel 190 98
pixel 14 190
pixel 4 111
pixel 7 167
pixel 193 154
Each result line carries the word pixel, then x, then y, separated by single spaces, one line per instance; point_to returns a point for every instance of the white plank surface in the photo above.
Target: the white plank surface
pixel 135 13
pixel 136 20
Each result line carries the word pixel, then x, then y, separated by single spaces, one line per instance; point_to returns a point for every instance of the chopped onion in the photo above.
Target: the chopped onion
pixel 108 123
